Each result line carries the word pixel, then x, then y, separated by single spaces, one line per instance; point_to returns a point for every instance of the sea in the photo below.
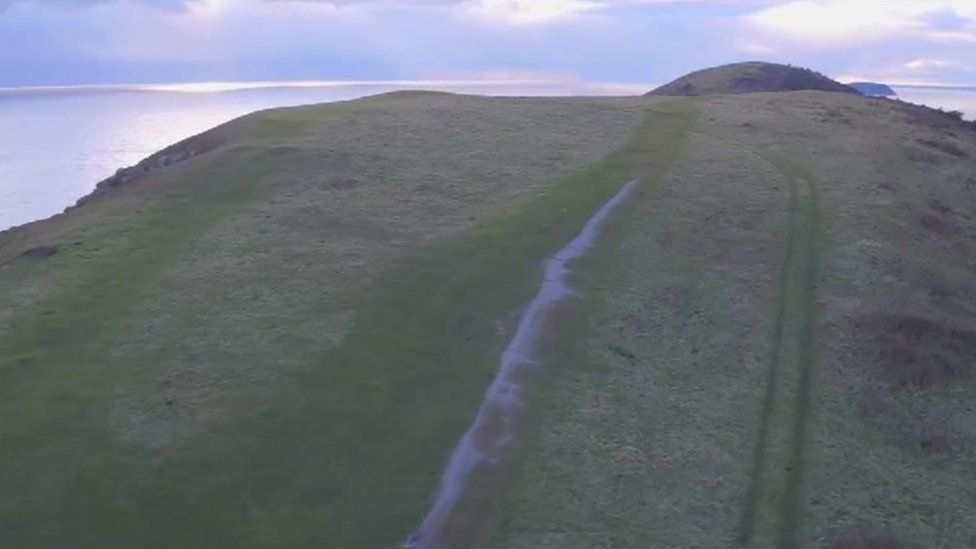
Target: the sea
pixel 56 143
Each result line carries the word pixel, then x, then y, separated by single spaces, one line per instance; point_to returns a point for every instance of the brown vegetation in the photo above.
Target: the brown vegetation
pixel 39 252
pixel 915 351
pixel 860 539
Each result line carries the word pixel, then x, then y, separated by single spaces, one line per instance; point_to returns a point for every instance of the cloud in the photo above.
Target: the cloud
pixel 400 3
pixel 842 23
pixel 516 12
pixel 510 12
pixel 624 40
pixel 162 4
pixel 921 71
pixel 530 12
pixel 928 65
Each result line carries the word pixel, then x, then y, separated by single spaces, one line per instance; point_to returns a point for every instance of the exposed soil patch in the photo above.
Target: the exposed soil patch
pixel 936 443
pixel 622 352
pixel 939 206
pixel 943 220
pixel 921 352
pixel 866 540
pixel 941 225
pixel 39 252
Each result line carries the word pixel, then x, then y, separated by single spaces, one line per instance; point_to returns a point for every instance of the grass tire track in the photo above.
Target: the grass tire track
pixel 790 511
pixel 748 520
pixel 792 346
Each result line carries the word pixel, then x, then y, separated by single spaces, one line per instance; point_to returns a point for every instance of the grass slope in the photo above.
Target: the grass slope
pixel 778 354
pixel 276 343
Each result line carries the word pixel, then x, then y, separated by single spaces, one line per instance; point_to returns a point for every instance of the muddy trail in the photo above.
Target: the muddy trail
pixel 773 504
pixel 489 441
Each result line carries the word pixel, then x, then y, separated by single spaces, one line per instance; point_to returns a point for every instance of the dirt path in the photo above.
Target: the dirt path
pixel 488 442
pixel 773 503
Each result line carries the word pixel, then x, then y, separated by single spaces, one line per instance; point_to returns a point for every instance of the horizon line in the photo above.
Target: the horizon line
pixel 217 86
pixel 221 86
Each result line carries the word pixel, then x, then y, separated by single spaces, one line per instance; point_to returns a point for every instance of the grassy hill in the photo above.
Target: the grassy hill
pixel 750 77
pixel 277 340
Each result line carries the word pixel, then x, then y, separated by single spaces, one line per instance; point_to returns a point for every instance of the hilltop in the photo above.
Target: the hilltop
pixel 750 77
pixel 275 333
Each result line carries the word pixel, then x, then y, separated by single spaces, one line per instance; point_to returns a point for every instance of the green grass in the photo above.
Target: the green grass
pixel 733 277
pixel 141 423
pixel 776 474
pixel 876 257
pixel 644 432
pixel 278 342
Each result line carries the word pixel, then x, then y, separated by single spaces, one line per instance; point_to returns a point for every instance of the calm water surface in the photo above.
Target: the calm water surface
pixel 56 144
pixel 952 100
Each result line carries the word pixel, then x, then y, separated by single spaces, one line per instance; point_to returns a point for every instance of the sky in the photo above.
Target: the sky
pixel 68 42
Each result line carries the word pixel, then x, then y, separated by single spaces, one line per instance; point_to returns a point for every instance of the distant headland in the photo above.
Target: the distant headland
pixel 873 88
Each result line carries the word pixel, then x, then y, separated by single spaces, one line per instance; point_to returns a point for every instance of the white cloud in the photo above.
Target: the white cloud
pixel 928 65
pixel 530 12
pixel 134 40
pixel 922 71
pixel 842 23
pixel 163 4
pixel 755 48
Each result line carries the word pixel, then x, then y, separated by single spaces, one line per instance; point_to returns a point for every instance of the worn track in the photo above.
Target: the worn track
pixel 773 501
